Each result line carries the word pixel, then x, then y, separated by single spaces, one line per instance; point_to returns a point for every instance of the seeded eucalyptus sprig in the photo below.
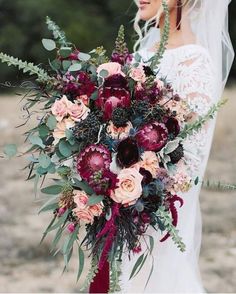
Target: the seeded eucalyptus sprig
pixel 198 124
pixel 26 67
pixel 155 60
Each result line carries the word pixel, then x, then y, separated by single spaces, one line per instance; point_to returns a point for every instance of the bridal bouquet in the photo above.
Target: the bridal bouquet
pixel 110 136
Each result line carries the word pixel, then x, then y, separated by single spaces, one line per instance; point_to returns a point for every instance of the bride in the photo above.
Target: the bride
pixel 197 62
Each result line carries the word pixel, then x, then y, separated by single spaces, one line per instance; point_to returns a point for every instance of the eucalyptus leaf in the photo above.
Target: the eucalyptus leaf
pixel 81 263
pixel 171 146
pixel 83 186
pixel 51 122
pixel 66 64
pixel 49 44
pixel 103 73
pixel 49 205
pixel 75 67
pixel 65 52
pixel 84 56
pixel 65 148
pixel 95 199
pixel 35 140
pixel 136 266
pixel 43 131
pixel 52 190
pixel 44 160
pixel 10 150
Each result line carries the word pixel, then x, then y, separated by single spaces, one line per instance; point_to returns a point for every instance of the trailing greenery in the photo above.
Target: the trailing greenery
pixel 26 67
pixel 115 272
pixel 190 128
pixel 91 274
pixel 166 219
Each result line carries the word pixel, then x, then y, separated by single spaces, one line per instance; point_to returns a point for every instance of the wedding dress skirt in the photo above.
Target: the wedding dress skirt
pixel 190 71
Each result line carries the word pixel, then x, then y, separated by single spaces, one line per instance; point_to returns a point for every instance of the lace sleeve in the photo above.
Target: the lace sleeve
pixel 192 78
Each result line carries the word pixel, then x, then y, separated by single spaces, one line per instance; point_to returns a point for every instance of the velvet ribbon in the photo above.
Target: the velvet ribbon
pixel 101 282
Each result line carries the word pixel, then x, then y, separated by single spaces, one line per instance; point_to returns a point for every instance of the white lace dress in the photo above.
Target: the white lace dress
pixel 190 71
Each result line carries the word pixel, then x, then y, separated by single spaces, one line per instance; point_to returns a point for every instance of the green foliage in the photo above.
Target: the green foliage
pixel 155 60
pixel 91 274
pixel 58 34
pixel 26 67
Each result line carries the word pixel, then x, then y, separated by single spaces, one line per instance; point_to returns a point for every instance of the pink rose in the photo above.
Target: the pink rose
pixel 96 210
pixel 119 132
pixel 78 111
pixel 138 74
pixel 84 215
pixel 83 211
pixel 60 130
pixel 129 187
pixel 113 68
pixel 80 199
pixel 60 108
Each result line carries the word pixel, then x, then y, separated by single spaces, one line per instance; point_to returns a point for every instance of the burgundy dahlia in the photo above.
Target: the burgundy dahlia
pixel 147 176
pixel 92 159
pixel 127 152
pixel 111 98
pixel 172 125
pixel 152 136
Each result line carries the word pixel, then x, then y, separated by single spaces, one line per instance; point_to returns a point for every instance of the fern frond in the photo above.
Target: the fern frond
pixel 58 34
pixel 166 219
pixel 26 67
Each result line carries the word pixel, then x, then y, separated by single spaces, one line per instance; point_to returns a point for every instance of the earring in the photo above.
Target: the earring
pixel 179 14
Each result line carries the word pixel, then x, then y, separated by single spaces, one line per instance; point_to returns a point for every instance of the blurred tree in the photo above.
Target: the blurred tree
pixel 87 23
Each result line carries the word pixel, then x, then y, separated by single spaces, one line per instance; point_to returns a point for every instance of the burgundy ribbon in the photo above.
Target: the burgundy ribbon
pixel 174 213
pixel 101 281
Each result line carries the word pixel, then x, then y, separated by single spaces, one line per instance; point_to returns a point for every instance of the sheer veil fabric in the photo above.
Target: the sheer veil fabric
pixel 198 73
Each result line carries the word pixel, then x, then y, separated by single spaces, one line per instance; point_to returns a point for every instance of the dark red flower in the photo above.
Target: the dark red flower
pixel 172 125
pixel 103 182
pixel 116 81
pixel 79 85
pixel 111 98
pixel 92 159
pixel 121 58
pixel 145 218
pixel 152 136
pixel 127 152
pixel 147 176
pixel 150 94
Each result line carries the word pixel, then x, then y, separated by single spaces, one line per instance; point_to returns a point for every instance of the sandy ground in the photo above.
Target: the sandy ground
pixel 27 267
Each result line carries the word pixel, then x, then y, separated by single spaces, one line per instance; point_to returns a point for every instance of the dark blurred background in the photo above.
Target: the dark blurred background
pixel 87 24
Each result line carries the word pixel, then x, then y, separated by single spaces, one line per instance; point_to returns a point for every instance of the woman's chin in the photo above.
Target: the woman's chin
pixel 144 16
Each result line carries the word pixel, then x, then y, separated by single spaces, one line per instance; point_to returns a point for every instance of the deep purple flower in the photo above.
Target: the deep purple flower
pixel 150 94
pixel 121 58
pixel 147 176
pixel 152 136
pixel 127 152
pixel 92 159
pixel 172 125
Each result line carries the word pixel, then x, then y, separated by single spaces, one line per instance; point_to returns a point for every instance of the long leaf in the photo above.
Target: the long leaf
pixel 81 263
pixel 51 204
pixel 61 221
pixel 150 274
pixel 48 228
pixel 83 186
pixel 52 190
pixel 136 266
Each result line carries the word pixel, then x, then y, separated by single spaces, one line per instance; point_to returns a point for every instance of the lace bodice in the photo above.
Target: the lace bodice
pixel 189 69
